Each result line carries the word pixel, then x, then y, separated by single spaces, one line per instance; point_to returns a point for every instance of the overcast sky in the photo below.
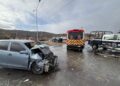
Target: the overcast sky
pixel 57 16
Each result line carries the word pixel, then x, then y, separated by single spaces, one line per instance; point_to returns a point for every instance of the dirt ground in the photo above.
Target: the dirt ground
pixel 75 69
pixel 50 43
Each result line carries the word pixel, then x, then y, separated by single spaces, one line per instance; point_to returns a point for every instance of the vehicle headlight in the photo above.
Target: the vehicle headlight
pixel 114 45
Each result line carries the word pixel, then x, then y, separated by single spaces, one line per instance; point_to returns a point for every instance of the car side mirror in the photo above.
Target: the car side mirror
pixel 24 52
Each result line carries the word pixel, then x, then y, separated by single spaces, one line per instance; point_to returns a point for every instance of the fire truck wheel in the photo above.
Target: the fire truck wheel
pixel 81 50
pixel 67 47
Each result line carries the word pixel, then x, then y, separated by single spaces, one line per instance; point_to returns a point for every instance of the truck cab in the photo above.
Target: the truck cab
pixel 95 38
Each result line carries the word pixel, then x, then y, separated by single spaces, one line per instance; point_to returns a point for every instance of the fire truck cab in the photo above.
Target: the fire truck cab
pixel 75 39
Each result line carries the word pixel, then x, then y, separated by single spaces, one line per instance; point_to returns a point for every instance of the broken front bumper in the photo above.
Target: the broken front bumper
pixel 49 64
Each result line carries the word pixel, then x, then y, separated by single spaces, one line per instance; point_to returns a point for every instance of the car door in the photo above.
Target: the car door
pixel 4 53
pixel 17 59
pixel 118 40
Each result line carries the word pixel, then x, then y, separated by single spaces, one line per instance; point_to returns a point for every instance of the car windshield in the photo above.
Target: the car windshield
pixel 30 44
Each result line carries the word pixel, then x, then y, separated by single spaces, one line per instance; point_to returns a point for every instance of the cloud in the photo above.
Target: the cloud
pixel 58 16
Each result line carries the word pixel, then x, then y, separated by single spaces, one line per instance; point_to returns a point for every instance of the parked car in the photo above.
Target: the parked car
pixel 57 39
pixel 24 54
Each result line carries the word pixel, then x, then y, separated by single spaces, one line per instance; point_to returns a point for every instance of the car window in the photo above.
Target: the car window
pixel 4 45
pixel 16 47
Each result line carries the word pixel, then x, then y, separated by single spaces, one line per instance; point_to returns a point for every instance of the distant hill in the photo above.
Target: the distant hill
pixel 20 34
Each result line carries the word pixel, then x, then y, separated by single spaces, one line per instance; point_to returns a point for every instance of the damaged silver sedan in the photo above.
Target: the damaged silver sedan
pixel 24 54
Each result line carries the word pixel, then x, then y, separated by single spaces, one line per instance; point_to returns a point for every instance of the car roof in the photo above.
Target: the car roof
pixel 17 40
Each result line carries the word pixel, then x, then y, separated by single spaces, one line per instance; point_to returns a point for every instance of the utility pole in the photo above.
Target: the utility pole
pixel 16 34
pixel 37 35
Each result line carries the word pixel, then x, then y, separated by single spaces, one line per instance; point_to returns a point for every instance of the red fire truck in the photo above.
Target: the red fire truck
pixel 75 39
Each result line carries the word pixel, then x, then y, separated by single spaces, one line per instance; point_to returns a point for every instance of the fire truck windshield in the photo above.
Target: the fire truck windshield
pixel 75 35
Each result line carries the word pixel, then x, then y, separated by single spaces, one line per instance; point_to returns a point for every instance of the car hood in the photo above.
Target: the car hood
pixel 36 57
pixel 44 48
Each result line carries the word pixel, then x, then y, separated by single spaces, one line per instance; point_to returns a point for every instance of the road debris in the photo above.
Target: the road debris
pixel 105 56
pixel 26 80
pixel 72 69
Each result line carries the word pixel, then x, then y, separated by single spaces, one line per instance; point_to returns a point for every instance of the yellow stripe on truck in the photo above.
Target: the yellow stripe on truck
pixel 75 42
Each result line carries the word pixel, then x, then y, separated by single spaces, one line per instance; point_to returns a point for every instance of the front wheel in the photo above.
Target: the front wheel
pixel 36 69
pixel 94 47
pixel 67 47
pixel 81 49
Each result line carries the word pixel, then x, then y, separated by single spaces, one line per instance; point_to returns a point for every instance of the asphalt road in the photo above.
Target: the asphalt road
pixel 75 69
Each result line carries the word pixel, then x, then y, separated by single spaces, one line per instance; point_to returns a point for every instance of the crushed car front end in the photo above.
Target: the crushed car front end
pixel 42 59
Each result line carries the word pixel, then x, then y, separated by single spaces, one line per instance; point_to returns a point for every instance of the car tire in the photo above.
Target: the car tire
pixel 80 50
pixel 94 47
pixel 36 70
pixel 104 48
